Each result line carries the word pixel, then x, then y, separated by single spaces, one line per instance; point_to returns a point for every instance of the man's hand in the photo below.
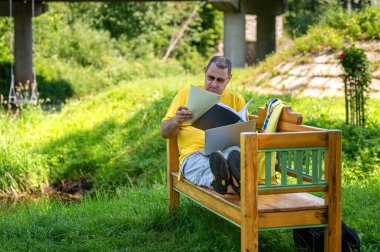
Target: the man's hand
pixel 170 127
pixel 183 114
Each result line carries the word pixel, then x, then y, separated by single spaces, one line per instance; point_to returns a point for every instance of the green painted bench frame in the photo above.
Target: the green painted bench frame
pixel 308 160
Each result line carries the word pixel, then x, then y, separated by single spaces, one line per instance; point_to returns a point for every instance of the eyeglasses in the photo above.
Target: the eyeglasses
pixel 213 78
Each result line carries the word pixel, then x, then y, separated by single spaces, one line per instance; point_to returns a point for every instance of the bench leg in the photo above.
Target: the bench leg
pixel 249 237
pixel 333 231
pixel 172 166
pixel 249 194
pixel 173 196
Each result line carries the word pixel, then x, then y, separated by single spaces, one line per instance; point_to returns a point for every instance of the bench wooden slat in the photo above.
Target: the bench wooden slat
pixel 292 139
pixel 267 203
pixel 276 210
pixel 293 218
pixel 320 188
pixel 287 115
pixel 288 127
pixel 224 205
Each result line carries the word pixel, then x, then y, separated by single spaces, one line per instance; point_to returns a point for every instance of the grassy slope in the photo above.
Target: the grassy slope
pixel 106 136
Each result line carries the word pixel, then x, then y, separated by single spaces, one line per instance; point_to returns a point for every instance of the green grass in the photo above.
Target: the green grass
pixel 136 219
pixel 131 219
pixel 360 210
pixel 113 138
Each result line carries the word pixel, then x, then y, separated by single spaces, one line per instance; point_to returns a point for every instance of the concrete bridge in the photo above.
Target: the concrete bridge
pixel 234 28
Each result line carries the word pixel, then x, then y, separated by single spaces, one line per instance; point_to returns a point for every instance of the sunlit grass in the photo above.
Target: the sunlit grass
pixel 136 219
pixel 113 138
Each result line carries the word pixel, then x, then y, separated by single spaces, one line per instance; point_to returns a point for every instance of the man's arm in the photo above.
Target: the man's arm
pixel 170 127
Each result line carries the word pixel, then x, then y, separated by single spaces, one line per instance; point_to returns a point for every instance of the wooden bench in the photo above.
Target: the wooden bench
pixel 308 160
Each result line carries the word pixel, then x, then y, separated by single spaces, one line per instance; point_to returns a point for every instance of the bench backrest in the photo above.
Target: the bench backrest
pixel 306 156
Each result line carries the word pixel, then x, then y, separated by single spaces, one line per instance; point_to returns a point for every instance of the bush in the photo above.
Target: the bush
pixel 356 80
pixel 303 14
pixel 96 46
pixel 360 24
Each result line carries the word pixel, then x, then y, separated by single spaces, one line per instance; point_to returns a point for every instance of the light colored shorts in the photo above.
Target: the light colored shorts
pixel 196 167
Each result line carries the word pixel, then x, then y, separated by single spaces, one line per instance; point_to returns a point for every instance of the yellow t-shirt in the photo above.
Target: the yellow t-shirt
pixel 191 139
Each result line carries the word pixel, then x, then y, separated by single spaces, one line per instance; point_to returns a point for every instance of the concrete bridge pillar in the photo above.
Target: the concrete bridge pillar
pixel 266 36
pixel 234 38
pixel 23 41
pixel 266 12
pixel 234 26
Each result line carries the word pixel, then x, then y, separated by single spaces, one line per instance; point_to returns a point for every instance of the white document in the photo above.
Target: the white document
pixel 200 101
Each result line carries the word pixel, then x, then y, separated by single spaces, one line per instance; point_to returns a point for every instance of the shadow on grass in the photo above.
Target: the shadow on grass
pixel 113 153
pixel 52 92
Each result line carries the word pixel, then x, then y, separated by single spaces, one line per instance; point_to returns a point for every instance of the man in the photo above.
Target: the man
pixel 221 169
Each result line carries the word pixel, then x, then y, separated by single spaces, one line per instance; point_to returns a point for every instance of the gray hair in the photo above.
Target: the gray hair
pixel 220 62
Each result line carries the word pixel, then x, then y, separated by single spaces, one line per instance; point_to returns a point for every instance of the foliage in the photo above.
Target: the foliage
pixel 4 39
pixel 360 24
pixel 147 28
pixel 317 40
pixel 83 48
pixel 356 80
pixel 302 14
pixel 337 26
pixel 326 37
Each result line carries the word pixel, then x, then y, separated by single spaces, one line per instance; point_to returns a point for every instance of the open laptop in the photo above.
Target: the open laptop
pixel 222 137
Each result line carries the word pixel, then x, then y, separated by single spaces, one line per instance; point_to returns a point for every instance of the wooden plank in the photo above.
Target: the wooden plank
pixel 293 174
pixel 232 198
pixel 249 192
pixel 333 197
pixel 283 170
pixel 287 115
pixel 314 166
pixel 284 123
pixel 317 188
pixel 298 165
pixel 289 202
pixel 293 218
pixel 307 162
pixel 279 202
pixel 210 200
pixel 172 166
pixel 289 127
pixel 292 140
pixel 259 124
pixel 268 170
